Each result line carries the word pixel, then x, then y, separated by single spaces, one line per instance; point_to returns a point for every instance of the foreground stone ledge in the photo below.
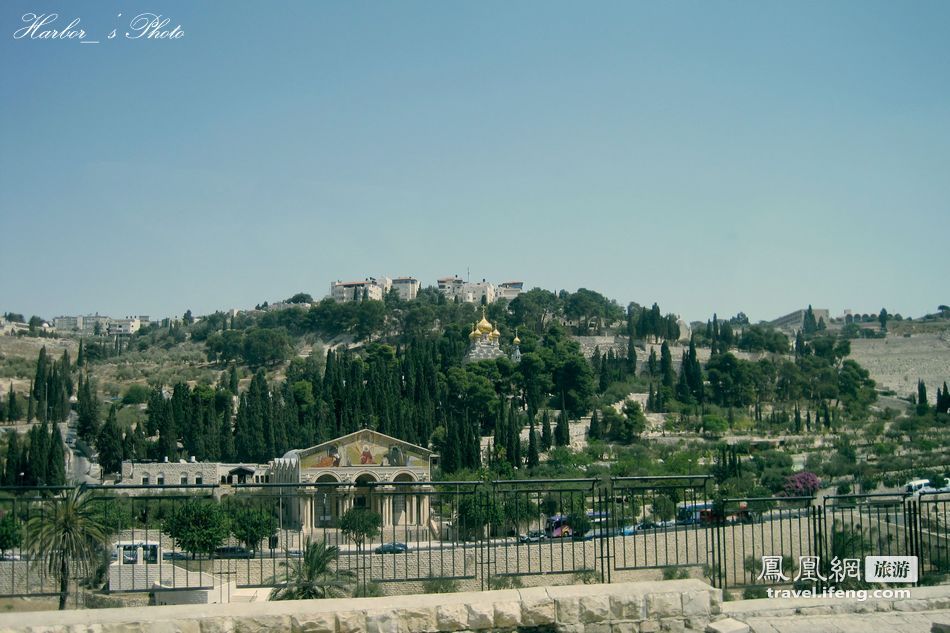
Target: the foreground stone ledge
pixel 636 607
pixel 922 599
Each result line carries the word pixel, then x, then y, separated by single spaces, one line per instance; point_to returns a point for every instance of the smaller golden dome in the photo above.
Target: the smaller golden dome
pixel 517 340
pixel 495 334
pixel 474 333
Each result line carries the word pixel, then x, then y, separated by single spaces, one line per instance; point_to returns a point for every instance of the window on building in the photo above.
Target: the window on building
pixel 199 480
pixel 161 480
pixel 144 480
pixel 184 480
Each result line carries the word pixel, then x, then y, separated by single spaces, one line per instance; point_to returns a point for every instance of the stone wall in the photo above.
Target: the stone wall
pixel 621 608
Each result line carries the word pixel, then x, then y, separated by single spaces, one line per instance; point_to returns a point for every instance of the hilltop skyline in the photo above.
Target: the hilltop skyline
pixel 727 158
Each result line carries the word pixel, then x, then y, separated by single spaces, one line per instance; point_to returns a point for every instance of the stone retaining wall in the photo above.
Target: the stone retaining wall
pixel 676 605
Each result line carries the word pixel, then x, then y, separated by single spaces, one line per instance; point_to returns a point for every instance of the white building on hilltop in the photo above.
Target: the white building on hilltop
pixel 407 287
pixel 509 290
pixel 466 291
pixel 369 289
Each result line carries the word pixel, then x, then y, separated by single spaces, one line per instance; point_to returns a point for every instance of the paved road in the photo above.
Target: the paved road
pixel 78 467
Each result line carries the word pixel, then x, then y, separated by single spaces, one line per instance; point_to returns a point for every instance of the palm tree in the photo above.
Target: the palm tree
pixel 310 576
pixel 66 531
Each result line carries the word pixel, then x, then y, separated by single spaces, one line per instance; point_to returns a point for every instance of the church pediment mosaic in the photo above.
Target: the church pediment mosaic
pixel 365 449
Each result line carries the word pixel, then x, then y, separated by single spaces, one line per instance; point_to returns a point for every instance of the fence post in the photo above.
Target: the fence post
pixel 912 520
pixel 714 556
pixel 817 514
pixel 603 503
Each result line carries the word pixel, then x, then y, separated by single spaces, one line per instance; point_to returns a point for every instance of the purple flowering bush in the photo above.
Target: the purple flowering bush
pixel 802 484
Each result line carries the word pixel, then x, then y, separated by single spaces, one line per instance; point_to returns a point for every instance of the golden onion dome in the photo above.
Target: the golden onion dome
pixel 484 326
pixel 517 340
pixel 495 334
pixel 474 333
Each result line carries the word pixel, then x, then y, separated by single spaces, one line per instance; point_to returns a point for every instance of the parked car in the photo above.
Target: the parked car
pixel 593 533
pixel 232 551
pixel 392 548
pixel 176 555
pixel 534 536
pixel 628 530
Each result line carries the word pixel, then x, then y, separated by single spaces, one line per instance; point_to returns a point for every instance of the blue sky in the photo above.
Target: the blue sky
pixel 711 156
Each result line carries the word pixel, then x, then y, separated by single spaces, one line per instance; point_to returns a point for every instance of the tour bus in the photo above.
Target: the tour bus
pixel 694 513
pixel 558 525
pixel 705 513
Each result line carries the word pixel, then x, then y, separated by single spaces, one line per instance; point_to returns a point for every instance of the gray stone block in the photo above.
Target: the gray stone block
pixel 664 605
pixel 594 609
pixel 507 615
pixel 626 606
pixel 480 615
pixel 696 603
pixel 452 617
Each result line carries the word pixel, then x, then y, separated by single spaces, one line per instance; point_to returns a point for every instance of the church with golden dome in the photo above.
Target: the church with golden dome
pixel 485 344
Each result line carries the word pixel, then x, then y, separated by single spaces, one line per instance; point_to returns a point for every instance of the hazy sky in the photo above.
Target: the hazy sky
pixel 711 156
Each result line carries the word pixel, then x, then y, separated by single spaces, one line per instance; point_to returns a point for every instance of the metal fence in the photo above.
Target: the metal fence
pixel 477 535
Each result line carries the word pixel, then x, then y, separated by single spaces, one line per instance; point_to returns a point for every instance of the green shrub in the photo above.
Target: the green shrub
pixel 754 593
pixel 439 585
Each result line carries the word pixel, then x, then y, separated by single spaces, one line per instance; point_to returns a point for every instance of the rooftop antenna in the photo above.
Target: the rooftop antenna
pixel 468 273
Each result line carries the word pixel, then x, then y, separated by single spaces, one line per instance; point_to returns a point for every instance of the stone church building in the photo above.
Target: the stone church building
pixel 365 469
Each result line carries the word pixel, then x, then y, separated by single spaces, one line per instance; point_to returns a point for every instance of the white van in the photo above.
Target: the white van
pixel 916 486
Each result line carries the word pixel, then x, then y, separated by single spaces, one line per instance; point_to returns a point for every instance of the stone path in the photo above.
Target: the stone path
pixel 892 622
pixel 918 614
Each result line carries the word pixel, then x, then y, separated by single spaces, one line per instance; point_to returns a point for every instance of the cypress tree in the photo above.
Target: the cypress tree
pixel 14 410
pixel 683 393
pixel 694 373
pixel 533 457
pixel 109 444
pixel 562 431
pixel 922 404
pixel 473 457
pixel 39 384
pixel 233 380
pixel 56 473
pixel 87 408
pixel 167 434
pixel 81 355
pixel 39 453
pixel 631 355
pixel 11 469
pixel 594 431
pixel 139 443
pixel 128 446
pixel 666 366
pixel 546 438
pixel 450 457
